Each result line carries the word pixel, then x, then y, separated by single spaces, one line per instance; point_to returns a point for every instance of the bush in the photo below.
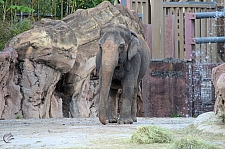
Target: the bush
pixel 8 31
pixel 151 134
pixel 191 143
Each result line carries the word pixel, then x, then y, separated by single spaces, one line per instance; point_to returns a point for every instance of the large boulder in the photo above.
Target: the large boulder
pixel 45 53
pixel 10 96
pixel 218 79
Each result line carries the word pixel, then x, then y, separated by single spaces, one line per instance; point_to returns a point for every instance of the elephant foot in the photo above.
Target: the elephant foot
pixel 134 119
pixel 125 121
pixel 112 120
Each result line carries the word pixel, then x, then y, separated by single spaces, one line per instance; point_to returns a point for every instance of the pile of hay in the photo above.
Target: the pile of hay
pixel 154 134
pixel 192 143
pixel 151 134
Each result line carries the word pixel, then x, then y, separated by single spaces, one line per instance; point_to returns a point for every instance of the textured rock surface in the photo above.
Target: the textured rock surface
pixel 55 72
pixel 10 96
pixel 218 79
pixel 45 53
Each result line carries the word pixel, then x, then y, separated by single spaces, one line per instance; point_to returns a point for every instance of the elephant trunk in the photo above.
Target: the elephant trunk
pixel 109 62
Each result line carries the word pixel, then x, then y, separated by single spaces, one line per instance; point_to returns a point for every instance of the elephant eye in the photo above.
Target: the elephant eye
pixel 121 47
pixel 100 46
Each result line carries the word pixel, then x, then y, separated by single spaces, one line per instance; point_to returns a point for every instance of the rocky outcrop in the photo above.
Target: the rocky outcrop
pixel 10 96
pixel 55 70
pixel 218 79
pixel 45 53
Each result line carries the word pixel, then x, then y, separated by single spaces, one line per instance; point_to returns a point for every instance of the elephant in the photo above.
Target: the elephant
pixel 121 62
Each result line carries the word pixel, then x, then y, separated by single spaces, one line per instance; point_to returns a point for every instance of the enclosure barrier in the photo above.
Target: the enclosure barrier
pixel 190 41
pixel 168 27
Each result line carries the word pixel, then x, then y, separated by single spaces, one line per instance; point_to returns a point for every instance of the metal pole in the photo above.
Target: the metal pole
pixel 124 2
pixel 209 40
pixel 216 14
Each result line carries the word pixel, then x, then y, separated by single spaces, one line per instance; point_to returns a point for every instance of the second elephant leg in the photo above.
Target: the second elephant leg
pixel 112 106
pixel 125 111
pixel 134 105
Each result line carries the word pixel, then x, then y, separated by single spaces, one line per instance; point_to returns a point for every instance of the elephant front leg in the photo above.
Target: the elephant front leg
pixel 112 106
pixel 125 111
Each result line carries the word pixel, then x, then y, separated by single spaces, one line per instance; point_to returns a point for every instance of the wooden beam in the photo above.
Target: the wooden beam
pixel 157 29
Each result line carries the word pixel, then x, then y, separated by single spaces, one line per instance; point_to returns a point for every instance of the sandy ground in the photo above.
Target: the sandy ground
pixel 74 133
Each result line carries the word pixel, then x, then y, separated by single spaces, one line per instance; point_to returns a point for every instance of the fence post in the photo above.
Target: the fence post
pixel 189 34
pixel 157 18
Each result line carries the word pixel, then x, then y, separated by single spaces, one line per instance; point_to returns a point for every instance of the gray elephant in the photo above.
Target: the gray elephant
pixel 121 62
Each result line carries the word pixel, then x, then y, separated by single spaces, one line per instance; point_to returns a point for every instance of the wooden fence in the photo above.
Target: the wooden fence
pixel 174 84
pixel 167 19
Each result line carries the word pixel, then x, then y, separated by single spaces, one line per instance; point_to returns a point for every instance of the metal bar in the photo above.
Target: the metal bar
pixel 190 4
pixel 209 40
pixel 216 14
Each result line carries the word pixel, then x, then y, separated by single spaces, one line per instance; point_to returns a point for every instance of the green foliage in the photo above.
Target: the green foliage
pixel 22 8
pixel 18 116
pixel 84 4
pixel 151 134
pixel 191 143
pixel 8 31
pixel 20 27
pixel 176 115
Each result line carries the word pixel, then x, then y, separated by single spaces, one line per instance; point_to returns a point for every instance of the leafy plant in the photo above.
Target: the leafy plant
pixel 22 8
pixel 8 31
pixel 6 8
pixel 18 116
pixel 151 134
pixel 176 115
pixel 190 142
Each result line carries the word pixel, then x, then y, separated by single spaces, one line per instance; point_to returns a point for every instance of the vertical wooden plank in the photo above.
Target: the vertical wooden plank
pixel 197 34
pixel 181 27
pixel 162 22
pixel 129 4
pixel 169 36
pixel 146 12
pixel 139 10
pixel 148 36
pixel 157 44
pixel 176 34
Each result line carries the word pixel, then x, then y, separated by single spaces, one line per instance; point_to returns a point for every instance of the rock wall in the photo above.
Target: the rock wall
pixel 10 96
pixel 45 53
pixel 218 79
pixel 54 73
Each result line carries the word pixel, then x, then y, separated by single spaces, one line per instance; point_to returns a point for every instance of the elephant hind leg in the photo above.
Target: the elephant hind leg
pixel 134 105
pixel 112 106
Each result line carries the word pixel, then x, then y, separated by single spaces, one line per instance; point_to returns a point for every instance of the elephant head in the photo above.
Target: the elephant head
pixel 117 46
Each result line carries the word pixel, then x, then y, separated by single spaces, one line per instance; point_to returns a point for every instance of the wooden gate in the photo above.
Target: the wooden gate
pixel 167 19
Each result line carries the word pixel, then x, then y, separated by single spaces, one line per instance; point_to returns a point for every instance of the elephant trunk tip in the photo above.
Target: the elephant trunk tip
pixel 102 119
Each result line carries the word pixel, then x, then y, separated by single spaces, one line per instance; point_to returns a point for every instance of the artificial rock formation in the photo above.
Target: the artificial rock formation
pixel 10 96
pixel 54 73
pixel 218 79
pixel 45 53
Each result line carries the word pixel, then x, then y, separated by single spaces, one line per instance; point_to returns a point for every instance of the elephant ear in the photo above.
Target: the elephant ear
pixel 98 61
pixel 134 46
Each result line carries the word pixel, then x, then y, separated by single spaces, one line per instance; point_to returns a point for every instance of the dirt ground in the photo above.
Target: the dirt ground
pixel 84 132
